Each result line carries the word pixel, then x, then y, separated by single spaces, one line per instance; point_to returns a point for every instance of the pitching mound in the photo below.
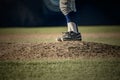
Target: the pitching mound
pixel 23 51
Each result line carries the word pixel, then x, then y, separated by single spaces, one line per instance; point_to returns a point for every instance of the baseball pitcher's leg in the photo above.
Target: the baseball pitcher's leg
pixel 68 8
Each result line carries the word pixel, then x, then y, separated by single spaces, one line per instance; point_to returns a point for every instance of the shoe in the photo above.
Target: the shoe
pixel 70 36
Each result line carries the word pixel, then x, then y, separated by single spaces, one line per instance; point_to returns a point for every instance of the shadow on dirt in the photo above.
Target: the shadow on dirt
pixel 75 49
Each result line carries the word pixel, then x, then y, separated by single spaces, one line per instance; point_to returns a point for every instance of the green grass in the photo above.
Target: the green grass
pixel 41 30
pixel 107 30
pixel 46 30
pixel 100 29
pixel 85 69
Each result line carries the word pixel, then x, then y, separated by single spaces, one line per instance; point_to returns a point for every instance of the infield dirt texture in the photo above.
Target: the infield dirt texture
pixel 57 50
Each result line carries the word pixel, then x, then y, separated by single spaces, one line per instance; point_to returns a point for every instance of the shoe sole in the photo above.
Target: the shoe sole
pixel 61 39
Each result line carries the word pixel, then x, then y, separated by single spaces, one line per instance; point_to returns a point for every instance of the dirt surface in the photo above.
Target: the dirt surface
pixel 75 49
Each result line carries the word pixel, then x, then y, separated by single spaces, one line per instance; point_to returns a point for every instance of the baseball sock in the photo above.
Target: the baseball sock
pixel 71 22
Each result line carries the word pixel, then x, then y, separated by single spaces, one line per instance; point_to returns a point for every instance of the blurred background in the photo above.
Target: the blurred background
pixel 46 13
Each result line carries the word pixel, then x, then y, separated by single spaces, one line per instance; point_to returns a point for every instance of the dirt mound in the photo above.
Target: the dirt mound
pixel 23 51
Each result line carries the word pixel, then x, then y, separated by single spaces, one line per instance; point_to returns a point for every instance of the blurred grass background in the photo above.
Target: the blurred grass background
pixel 82 69
pixel 101 34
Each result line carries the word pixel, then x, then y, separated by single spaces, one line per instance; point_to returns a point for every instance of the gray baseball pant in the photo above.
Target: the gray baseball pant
pixel 67 6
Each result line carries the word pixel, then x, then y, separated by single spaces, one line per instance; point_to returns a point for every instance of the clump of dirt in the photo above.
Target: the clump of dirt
pixel 71 49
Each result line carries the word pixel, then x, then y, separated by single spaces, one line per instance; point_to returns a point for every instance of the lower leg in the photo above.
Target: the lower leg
pixel 71 22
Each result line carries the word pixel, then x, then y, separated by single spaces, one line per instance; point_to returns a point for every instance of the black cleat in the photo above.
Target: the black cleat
pixel 70 36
